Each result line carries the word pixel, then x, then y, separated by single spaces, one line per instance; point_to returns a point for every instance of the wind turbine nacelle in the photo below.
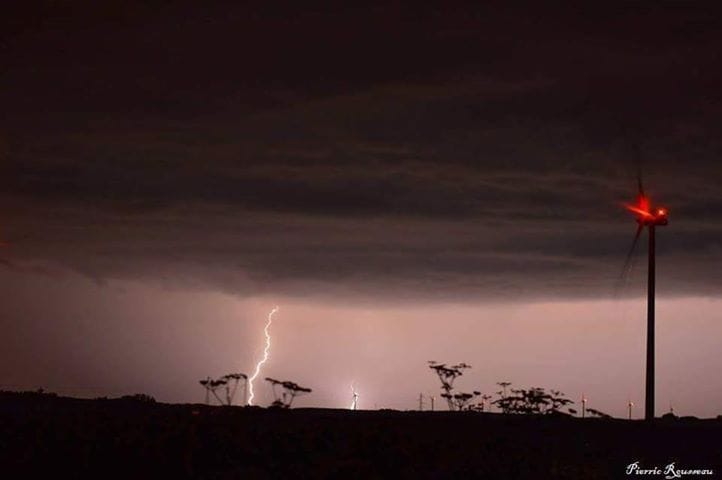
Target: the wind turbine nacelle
pixel 648 216
pixel 657 216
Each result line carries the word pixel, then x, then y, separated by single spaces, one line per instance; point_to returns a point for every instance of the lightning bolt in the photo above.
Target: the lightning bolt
pixel 265 355
pixel 355 398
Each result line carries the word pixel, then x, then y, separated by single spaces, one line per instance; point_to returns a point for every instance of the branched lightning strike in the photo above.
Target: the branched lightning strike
pixel 265 356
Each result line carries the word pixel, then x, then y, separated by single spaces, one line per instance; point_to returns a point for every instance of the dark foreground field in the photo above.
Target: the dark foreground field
pixel 131 439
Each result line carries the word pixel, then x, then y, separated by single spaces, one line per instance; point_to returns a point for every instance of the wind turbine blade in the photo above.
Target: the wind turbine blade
pixel 631 139
pixel 630 254
pixel 630 257
pixel 638 162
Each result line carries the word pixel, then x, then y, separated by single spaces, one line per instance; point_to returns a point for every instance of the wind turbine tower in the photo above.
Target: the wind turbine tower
pixel 649 217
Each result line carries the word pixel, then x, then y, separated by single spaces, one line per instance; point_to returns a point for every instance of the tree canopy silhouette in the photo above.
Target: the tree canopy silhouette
pixel 447 376
pixel 289 391
pixel 229 382
pixel 231 385
pixel 532 401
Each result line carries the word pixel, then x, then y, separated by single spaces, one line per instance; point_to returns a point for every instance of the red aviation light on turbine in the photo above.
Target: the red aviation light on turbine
pixel 646 214
pixel 661 216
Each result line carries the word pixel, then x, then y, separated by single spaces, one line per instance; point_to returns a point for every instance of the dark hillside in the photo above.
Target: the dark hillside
pixel 133 438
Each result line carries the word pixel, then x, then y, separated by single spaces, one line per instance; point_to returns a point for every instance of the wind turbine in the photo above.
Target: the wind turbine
pixel 648 216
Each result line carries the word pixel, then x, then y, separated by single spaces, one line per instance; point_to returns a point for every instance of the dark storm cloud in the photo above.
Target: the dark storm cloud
pixel 439 153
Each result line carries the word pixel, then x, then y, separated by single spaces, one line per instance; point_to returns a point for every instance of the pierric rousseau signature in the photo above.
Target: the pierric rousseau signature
pixel 669 471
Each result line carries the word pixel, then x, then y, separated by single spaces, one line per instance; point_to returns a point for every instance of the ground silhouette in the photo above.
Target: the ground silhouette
pixel 135 437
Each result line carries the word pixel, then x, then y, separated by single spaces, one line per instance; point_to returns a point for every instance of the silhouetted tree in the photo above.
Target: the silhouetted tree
pixel 503 386
pixel 231 385
pixel 212 385
pixel 462 400
pixel 206 382
pixel 481 406
pixel 289 392
pixel 533 401
pixel 447 375
pixel 558 401
pixel 215 385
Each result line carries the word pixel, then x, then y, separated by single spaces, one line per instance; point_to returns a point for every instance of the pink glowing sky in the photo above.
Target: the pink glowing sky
pixel 79 338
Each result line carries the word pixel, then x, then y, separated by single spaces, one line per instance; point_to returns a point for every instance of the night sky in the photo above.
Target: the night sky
pixel 407 184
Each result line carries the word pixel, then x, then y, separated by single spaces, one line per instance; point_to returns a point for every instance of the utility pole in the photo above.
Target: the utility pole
pixel 421 402
pixel 631 404
pixel 584 406
pixel 432 403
